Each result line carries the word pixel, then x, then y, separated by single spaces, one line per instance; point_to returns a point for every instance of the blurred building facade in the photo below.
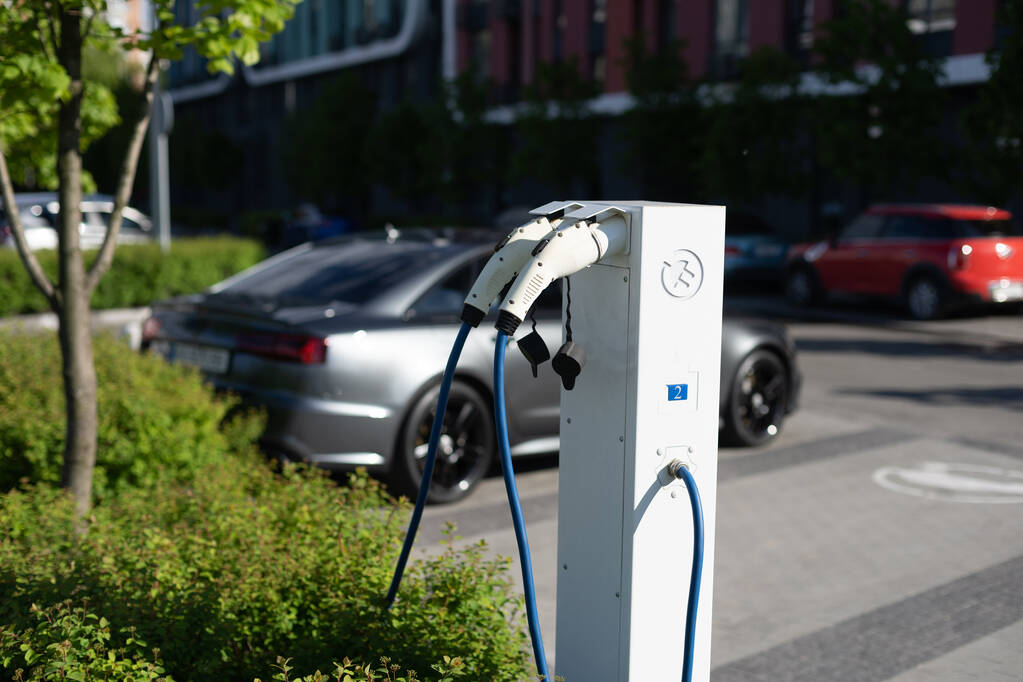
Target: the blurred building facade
pixel 406 48
pixel 506 39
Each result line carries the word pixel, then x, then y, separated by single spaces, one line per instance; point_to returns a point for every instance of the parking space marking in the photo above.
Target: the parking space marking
pixel 954 482
pixel 889 640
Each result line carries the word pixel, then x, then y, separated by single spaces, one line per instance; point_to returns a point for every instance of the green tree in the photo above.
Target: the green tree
pixel 326 155
pixel 407 148
pixel 662 132
pixel 755 142
pixel 880 133
pixel 50 111
pixel 557 132
pixel 993 124
pixel 474 144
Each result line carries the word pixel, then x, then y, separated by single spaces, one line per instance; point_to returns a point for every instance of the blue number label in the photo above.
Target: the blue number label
pixel 678 392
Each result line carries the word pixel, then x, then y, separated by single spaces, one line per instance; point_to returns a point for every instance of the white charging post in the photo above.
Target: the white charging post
pixel 650 323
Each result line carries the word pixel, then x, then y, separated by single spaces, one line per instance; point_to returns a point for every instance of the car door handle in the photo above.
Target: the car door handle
pixel 909 252
pixel 860 253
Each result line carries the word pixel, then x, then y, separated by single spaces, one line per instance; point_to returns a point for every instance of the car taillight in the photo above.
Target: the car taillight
pixel 732 251
pixel 959 257
pixel 151 329
pixel 308 350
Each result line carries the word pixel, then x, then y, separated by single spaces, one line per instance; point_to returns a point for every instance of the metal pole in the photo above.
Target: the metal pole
pixel 160 124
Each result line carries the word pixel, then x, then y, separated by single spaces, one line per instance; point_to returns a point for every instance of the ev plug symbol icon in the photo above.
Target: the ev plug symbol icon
pixel 682 275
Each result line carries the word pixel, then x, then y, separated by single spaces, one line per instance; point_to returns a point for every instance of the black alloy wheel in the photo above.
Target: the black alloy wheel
pixel 756 402
pixel 464 452
pixel 925 298
pixel 802 287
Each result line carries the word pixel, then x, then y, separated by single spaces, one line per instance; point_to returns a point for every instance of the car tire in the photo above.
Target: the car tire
pixel 802 288
pixel 757 400
pixel 465 451
pixel 925 298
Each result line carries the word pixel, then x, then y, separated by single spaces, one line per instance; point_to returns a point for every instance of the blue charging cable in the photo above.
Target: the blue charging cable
pixel 679 470
pixel 431 459
pixel 504 449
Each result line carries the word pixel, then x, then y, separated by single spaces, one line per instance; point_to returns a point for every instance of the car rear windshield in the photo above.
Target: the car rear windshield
pixel 989 228
pixel 353 272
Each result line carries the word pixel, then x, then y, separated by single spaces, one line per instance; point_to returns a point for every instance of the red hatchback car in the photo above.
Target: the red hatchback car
pixel 929 256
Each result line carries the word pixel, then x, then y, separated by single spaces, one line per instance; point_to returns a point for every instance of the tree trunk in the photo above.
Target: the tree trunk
pixel 75 340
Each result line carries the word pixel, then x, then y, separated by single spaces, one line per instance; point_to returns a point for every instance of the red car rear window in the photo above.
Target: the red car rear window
pixel 909 226
pixel 989 228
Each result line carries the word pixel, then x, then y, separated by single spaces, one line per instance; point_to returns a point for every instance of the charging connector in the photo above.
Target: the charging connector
pixel 511 254
pixel 567 251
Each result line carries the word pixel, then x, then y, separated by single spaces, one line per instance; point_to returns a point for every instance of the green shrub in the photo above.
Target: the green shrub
pixel 70 643
pixel 155 420
pixel 347 671
pixel 243 565
pixel 140 273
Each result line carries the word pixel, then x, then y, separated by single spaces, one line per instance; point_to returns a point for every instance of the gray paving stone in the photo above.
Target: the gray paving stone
pixel 997 657
pixel 887 641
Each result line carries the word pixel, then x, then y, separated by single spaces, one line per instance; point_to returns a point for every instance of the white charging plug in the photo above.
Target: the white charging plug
pixel 569 250
pixel 510 255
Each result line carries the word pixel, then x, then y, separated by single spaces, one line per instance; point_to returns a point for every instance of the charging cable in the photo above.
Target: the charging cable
pixel 679 470
pixel 510 254
pixel 431 459
pixel 504 448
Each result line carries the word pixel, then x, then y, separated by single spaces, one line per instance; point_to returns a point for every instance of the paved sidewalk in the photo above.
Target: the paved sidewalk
pixel 126 322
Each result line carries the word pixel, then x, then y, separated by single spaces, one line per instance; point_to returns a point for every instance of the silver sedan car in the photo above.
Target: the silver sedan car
pixel 344 342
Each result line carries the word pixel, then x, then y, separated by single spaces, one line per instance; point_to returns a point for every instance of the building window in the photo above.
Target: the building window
pixel 315 24
pixel 731 37
pixel 931 16
pixel 799 30
pixel 537 40
pixel 337 26
pixel 481 53
pixel 667 20
pixel 560 23
pixel 598 28
pixel 934 21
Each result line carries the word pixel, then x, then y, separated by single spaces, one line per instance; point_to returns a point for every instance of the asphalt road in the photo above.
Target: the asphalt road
pixel 879 538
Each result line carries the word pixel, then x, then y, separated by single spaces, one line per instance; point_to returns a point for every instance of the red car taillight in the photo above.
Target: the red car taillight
pixel 959 257
pixel 732 251
pixel 308 350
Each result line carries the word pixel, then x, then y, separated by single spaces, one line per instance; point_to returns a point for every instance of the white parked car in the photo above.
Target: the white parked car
pixel 38 212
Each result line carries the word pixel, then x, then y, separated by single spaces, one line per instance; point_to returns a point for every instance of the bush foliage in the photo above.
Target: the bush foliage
pixel 222 575
pixel 156 421
pixel 202 562
pixel 140 274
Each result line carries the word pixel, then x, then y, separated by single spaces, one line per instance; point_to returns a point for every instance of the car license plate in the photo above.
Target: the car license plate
pixel 1006 291
pixel 212 360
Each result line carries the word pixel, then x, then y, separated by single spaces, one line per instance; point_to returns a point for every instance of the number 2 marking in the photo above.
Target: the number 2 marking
pixel 678 392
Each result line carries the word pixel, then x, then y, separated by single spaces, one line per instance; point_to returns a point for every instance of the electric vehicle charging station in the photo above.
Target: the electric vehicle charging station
pixel 650 320
pixel 640 368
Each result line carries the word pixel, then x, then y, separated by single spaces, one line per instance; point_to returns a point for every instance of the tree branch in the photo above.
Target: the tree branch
pixel 88 25
pixel 41 32
pixel 102 263
pixel 35 270
pixel 53 35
